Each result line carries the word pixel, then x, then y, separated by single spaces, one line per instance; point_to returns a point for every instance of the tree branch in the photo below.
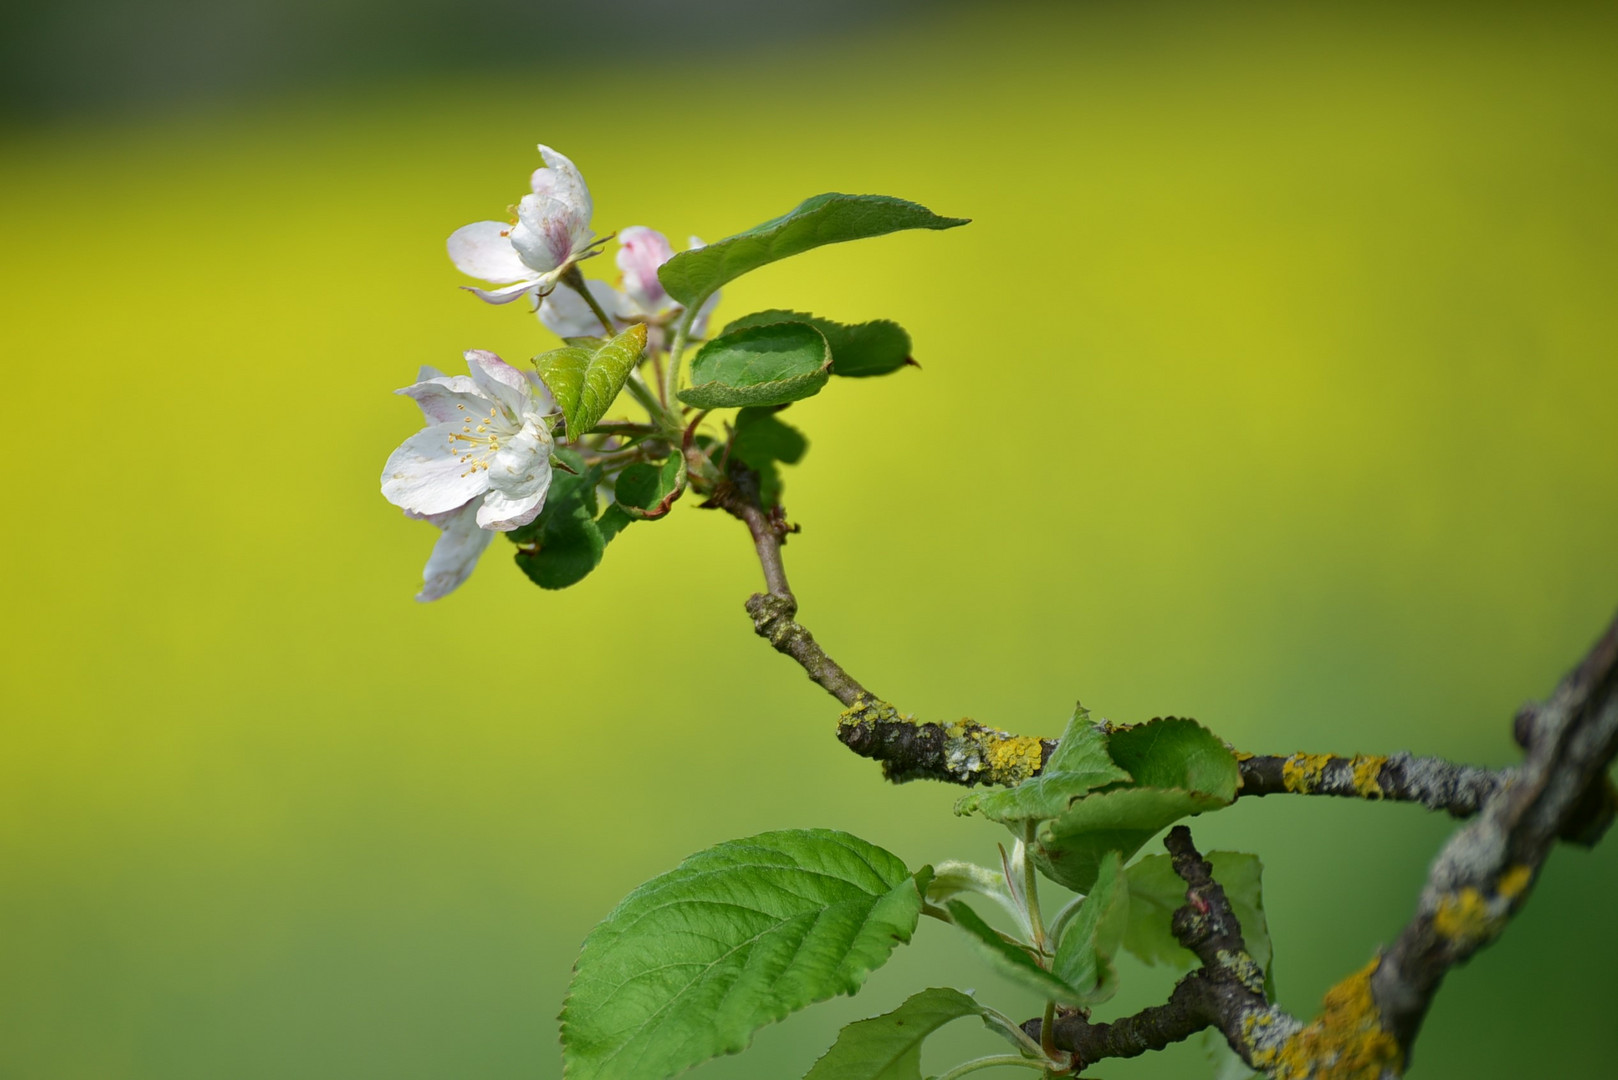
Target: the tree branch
pixel 969 753
pixel 1433 782
pixel 1370 1020
pixel 1485 872
pixel 1227 992
pixel 773 611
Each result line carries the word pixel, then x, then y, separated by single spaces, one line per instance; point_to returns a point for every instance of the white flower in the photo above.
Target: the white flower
pixel 552 233
pixel 487 438
pixel 641 251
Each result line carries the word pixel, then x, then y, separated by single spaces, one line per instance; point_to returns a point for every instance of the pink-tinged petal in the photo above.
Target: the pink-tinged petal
pixel 507 294
pixel 456 554
pixel 483 250
pixel 561 179
pixel 498 381
pixel 640 252
pixel 444 397
pixel 426 474
pixel 565 313
pixel 543 236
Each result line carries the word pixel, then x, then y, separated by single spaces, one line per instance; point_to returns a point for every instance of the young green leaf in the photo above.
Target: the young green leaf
pixel 1155 891
pixel 690 964
pixel 1011 960
pixel 857 351
pixel 1068 849
pixel 1079 764
pixel 646 491
pixel 1176 753
pixel 951 879
pixel 762 440
pixel 692 276
pixel 1091 938
pixel 888 1047
pixel 761 365
pixel 585 382
pixel 563 544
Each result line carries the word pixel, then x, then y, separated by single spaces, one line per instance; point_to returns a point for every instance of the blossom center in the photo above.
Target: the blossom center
pixel 479 439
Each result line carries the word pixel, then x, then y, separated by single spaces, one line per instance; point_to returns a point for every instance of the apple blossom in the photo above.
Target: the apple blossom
pixel 487 440
pixel 552 233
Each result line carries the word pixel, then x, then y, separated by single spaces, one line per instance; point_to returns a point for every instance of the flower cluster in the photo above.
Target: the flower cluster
pixel 483 462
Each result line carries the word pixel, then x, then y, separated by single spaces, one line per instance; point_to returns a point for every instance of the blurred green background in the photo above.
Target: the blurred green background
pixel 1273 384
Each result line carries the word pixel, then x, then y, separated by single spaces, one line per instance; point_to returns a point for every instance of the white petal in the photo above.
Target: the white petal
pixel 426 474
pixel 483 250
pixel 561 179
pixel 509 293
pixel 502 514
pixel 523 464
pixel 520 476
pixel 498 381
pixel 456 553
pixel 641 251
pixel 565 313
pixel 445 397
pixel 543 236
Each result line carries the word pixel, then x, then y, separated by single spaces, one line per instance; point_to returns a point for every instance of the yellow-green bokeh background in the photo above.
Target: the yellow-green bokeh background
pixel 1274 384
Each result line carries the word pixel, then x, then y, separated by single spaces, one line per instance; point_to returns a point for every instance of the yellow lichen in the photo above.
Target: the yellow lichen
pixel 1301 773
pixel 1514 881
pixel 1346 1042
pixel 1010 759
pixel 1367 771
pixel 1464 916
pixel 867 710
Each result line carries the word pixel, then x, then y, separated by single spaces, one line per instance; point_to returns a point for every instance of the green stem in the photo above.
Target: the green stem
pixel 574 279
pixel 648 401
pixel 1030 886
pixel 1047 1030
pixel 1012 1029
pixel 682 333
pixel 990 1062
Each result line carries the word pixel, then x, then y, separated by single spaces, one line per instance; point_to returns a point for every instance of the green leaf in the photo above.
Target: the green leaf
pixel 761 365
pixel 643 492
pixel 646 491
pixel 692 276
pixel 1156 891
pixel 1079 764
pixel 1176 753
pixel 1091 938
pixel 762 440
pixel 563 544
pixel 1069 849
pixel 586 382
pixel 888 1047
pixel 868 348
pixel 690 964
pixel 1011 960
